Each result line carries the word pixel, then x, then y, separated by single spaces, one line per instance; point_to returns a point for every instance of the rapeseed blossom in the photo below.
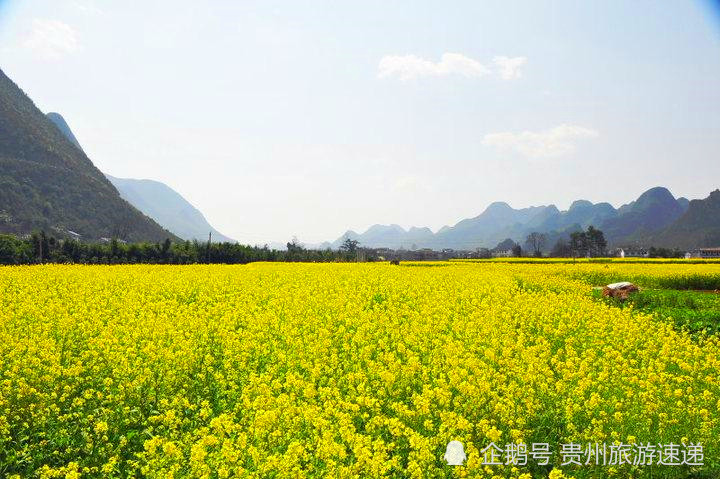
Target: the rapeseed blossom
pixel 339 370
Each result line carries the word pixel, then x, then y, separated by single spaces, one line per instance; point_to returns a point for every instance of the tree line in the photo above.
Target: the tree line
pixel 579 244
pixel 42 248
pixel 588 243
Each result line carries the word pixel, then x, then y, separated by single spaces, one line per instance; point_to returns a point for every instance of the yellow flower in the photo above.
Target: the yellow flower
pixel 494 434
pixel 338 370
pixel 101 427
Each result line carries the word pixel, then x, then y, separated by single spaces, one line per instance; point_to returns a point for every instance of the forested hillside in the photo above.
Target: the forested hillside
pixel 47 183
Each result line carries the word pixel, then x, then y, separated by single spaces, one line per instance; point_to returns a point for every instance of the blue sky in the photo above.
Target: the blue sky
pixel 309 118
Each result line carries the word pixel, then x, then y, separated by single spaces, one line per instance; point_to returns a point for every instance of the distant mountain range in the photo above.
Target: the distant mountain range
pixel 698 226
pixel 167 207
pixel 656 218
pixel 64 128
pixel 48 183
pixel 157 200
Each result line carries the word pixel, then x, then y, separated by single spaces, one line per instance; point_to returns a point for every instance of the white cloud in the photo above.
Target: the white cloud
pixel 87 7
pixel 51 39
pixel 509 68
pixel 410 67
pixel 554 142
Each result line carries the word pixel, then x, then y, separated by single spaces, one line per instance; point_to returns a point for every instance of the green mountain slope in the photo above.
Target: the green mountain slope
pixel 698 227
pixel 46 182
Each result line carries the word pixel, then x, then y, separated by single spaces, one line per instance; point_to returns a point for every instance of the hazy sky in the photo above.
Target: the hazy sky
pixel 309 118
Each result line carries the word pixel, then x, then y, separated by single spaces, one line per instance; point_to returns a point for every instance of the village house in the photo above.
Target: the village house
pixel 704 253
pixel 632 253
pixel 385 253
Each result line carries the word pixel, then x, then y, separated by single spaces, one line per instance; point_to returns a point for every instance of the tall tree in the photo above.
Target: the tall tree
pixel 561 249
pixel 536 242
pixel 349 245
pixel 579 243
pixel 596 241
pixel 588 243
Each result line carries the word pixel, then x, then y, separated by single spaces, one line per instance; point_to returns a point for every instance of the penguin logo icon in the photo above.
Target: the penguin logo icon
pixel 455 454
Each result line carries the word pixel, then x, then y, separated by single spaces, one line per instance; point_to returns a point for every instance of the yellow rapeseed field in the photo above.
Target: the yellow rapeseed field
pixel 342 370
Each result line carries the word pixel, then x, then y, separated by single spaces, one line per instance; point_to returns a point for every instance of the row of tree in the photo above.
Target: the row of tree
pixel 42 248
pixel 590 242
